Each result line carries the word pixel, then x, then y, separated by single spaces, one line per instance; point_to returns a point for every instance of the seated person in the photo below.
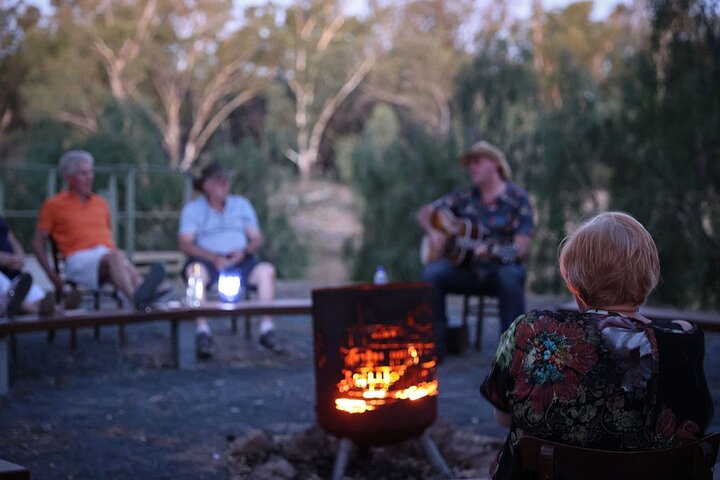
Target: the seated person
pixel 494 264
pixel 607 377
pixel 78 220
pixel 219 231
pixel 13 282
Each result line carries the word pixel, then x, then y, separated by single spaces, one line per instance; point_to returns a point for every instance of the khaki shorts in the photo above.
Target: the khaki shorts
pixel 83 267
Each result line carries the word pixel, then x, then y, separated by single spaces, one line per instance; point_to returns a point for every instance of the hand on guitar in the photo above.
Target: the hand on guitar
pixel 438 240
pixel 482 250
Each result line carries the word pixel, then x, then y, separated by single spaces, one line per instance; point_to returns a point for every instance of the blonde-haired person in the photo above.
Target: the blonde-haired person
pixel 606 377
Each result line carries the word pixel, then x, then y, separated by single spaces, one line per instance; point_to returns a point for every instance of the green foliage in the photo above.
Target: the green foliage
pixel 666 168
pixel 125 136
pixel 395 180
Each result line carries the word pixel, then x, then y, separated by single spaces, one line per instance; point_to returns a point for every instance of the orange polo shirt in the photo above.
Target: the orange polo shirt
pixel 76 225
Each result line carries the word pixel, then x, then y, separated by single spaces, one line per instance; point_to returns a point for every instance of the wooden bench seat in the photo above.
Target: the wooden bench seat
pixel 12 471
pixel 172 260
pixel 181 317
pixel 708 321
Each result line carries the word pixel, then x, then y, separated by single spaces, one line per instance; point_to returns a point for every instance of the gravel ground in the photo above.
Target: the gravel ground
pixel 105 412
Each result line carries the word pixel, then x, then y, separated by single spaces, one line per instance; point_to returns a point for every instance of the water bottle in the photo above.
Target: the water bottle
pixel 195 292
pixel 380 277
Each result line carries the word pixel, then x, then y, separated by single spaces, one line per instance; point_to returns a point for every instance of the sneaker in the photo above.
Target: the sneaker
pixel 47 305
pixel 145 293
pixel 268 341
pixel 17 292
pixel 204 345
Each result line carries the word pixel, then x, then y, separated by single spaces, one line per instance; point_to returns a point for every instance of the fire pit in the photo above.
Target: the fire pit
pixel 375 365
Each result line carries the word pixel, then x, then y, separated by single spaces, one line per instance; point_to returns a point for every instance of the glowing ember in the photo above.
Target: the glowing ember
pixel 380 370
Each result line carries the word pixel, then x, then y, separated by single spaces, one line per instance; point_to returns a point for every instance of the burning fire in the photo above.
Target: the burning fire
pixel 384 371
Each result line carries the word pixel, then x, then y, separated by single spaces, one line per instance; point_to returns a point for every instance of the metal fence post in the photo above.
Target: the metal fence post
pixel 112 197
pixel 130 212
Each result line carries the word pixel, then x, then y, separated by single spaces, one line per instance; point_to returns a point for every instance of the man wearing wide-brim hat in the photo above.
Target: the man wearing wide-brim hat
pixel 220 232
pixel 478 238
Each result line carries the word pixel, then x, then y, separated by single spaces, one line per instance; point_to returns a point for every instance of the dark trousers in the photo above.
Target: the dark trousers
pixel 506 281
pixel 245 267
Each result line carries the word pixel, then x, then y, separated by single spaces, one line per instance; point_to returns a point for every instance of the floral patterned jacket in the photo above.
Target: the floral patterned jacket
pixel 599 380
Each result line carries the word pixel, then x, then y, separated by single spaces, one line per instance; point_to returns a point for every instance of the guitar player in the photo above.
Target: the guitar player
pixel 483 233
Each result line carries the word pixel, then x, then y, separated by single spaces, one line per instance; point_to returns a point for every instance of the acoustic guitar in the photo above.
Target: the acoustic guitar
pixel 463 237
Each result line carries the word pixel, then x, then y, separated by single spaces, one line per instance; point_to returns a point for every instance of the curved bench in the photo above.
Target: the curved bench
pixel 181 317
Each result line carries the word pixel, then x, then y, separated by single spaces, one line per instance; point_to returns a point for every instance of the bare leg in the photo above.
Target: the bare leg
pixel 201 323
pixel 263 275
pixel 115 266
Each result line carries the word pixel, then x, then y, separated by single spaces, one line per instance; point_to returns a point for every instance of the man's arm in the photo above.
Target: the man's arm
pixel 13 260
pixel 424 218
pixel 38 245
pixel 522 244
pixel 255 240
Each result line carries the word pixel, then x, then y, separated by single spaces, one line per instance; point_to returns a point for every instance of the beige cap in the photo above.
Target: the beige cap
pixel 485 148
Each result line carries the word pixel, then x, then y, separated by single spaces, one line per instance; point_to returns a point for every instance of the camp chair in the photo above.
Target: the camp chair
pixel 96 297
pixel 545 460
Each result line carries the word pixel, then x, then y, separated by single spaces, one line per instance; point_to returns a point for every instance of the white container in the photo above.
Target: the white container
pixel 381 276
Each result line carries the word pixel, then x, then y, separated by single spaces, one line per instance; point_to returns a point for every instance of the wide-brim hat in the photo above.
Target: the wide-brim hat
pixel 486 148
pixel 211 170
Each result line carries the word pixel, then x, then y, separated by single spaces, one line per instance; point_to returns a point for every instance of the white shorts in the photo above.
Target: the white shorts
pixel 83 267
pixel 35 294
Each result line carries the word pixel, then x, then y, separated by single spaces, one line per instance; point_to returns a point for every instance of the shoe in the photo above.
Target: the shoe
pixel 17 292
pixel 163 295
pixel 145 293
pixel 204 344
pixel 72 299
pixel 47 305
pixel 268 341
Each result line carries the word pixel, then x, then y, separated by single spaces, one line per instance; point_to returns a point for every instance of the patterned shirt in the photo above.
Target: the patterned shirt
pixel 509 214
pixel 598 380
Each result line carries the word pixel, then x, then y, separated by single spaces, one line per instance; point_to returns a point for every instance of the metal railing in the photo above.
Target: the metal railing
pixel 145 203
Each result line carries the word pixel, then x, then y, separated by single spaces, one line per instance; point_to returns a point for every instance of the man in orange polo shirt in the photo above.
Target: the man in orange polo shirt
pixel 78 220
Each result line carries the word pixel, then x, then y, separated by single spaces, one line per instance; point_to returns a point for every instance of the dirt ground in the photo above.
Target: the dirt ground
pixel 105 412
pixel 109 412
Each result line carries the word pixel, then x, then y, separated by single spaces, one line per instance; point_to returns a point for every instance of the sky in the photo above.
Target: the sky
pixel 601 8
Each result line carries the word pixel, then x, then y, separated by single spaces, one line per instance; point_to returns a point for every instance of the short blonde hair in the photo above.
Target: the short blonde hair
pixel 610 260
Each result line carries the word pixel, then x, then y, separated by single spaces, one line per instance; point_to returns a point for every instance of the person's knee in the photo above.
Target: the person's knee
pixel 113 259
pixel 264 271
pixel 432 272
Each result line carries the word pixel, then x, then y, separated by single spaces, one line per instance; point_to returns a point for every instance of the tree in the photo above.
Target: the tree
pixel 179 59
pixel 667 156
pixel 416 72
pixel 15 20
pixel 328 55
pixel 200 75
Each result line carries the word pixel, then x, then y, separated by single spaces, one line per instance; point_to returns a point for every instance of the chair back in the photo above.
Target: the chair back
pixel 545 460
pixel 55 252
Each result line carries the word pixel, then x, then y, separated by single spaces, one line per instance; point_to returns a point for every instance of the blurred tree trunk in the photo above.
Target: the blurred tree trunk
pixel 330 54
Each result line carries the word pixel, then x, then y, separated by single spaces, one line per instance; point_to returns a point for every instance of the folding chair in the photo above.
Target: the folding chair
pixel 545 460
pixel 96 298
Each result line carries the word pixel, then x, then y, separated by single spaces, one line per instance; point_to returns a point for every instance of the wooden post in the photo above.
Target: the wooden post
pixel 183 334
pixel 130 212
pixel 4 365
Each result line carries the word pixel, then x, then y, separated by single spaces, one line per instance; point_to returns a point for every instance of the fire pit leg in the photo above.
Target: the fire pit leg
pixel 342 459
pixel 434 455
